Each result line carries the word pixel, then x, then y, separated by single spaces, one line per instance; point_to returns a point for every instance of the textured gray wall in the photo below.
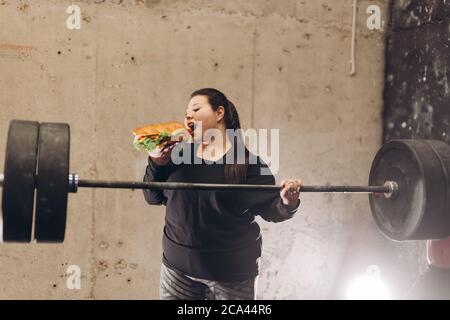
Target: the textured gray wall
pixel 284 63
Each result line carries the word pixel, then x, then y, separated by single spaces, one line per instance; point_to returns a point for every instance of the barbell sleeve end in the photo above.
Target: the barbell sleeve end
pixel 73 182
pixel 393 189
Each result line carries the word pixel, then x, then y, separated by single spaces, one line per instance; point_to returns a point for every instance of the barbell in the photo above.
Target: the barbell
pixel 408 189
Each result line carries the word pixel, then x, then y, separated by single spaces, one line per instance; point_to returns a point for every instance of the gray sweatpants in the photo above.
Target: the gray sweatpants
pixel 177 286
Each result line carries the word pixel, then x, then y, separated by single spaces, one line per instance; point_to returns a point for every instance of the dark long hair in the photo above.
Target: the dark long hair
pixel 235 172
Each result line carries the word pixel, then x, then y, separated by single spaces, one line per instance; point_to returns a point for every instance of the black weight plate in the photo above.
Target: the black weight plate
pixel 19 180
pixel 398 217
pixel 52 182
pixel 438 221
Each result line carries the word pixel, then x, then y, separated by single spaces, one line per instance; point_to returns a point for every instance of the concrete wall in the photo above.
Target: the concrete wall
pixel 284 63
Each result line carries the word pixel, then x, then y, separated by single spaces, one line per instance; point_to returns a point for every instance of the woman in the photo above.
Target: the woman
pixel 211 242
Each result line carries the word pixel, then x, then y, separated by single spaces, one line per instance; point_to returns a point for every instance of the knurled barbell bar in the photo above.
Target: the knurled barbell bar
pixel 408 185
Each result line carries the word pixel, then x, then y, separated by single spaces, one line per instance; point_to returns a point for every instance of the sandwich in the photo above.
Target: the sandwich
pixel 151 137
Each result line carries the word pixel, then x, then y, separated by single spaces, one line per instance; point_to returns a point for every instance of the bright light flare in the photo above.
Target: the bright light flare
pixel 369 286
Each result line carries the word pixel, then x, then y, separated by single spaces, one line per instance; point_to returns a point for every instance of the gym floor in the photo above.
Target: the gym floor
pixel 107 67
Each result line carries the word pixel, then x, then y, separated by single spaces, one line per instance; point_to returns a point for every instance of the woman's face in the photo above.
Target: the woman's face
pixel 199 110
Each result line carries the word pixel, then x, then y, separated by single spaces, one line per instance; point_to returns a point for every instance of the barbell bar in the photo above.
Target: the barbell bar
pixel 409 189
pixel 387 189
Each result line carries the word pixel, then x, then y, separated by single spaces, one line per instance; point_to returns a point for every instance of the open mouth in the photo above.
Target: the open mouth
pixel 191 126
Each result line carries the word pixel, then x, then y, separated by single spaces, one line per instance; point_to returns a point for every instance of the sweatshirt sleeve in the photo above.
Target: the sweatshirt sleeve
pixel 267 204
pixel 154 173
